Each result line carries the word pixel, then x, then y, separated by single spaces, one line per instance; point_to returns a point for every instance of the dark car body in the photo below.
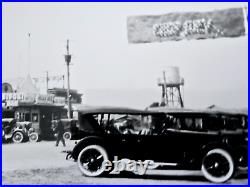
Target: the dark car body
pixel 179 139
pixel 231 126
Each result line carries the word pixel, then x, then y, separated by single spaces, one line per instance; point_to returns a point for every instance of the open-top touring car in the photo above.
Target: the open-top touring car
pixel 214 143
pixel 18 131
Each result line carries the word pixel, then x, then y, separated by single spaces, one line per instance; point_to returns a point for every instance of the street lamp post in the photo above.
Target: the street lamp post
pixel 67 60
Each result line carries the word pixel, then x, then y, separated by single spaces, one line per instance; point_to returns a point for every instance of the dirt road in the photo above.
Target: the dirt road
pixel 43 163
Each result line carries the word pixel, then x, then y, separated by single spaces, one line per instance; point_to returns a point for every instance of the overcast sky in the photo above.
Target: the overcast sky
pixel 110 71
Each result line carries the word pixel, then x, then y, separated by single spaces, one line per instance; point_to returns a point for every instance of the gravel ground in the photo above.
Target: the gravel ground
pixel 43 163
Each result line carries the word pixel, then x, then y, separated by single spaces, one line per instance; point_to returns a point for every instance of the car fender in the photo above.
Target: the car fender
pixel 89 140
pixel 18 131
pixel 214 145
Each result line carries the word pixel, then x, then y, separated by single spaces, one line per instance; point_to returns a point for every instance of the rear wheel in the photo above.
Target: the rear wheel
pixel 243 161
pixel 218 166
pixel 67 136
pixel 17 137
pixel 33 137
pixel 91 160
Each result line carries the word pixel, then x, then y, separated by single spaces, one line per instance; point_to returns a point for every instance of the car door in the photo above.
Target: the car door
pixel 160 145
pixel 119 133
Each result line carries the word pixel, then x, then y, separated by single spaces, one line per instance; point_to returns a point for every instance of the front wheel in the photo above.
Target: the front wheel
pixel 17 137
pixel 91 160
pixel 218 166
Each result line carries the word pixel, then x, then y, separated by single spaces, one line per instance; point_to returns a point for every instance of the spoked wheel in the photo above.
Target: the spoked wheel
pixel 91 160
pixel 218 166
pixel 17 137
pixel 33 137
pixel 67 136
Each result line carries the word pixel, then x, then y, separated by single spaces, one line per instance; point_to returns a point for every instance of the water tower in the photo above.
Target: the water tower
pixel 171 84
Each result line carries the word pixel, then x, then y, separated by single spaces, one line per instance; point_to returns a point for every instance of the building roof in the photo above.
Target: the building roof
pixel 40 104
pixel 63 90
pixel 14 82
pixel 27 86
pixel 21 84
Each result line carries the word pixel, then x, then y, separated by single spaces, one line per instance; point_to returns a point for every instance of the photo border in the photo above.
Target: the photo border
pixel 109 1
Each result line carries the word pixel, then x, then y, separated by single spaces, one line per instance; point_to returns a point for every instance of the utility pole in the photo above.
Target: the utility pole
pixel 47 81
pixel 29 48
pixel 63 81
pixel 67 60
pixel 165 89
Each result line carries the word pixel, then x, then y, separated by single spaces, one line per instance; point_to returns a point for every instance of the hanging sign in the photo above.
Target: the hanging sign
pixel 190 25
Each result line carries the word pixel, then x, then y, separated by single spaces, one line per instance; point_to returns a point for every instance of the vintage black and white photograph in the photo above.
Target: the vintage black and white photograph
pixel 125 93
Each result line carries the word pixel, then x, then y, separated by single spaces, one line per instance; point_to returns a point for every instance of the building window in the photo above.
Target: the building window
pixel 27 117
pixel 34 117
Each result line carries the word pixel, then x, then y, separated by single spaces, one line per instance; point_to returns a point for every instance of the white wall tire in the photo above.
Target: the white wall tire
pixel 91 160
pixel 17 137
pixel 3 136
pixel 67 135
pixel 33 137
pixel 218 166
pixel 243 161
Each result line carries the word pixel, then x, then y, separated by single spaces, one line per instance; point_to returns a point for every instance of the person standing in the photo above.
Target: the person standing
pixel 60 130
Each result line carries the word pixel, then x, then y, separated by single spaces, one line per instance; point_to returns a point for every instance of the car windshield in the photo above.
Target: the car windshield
pixel 140 124
pixel 88 123
pixel 124 124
